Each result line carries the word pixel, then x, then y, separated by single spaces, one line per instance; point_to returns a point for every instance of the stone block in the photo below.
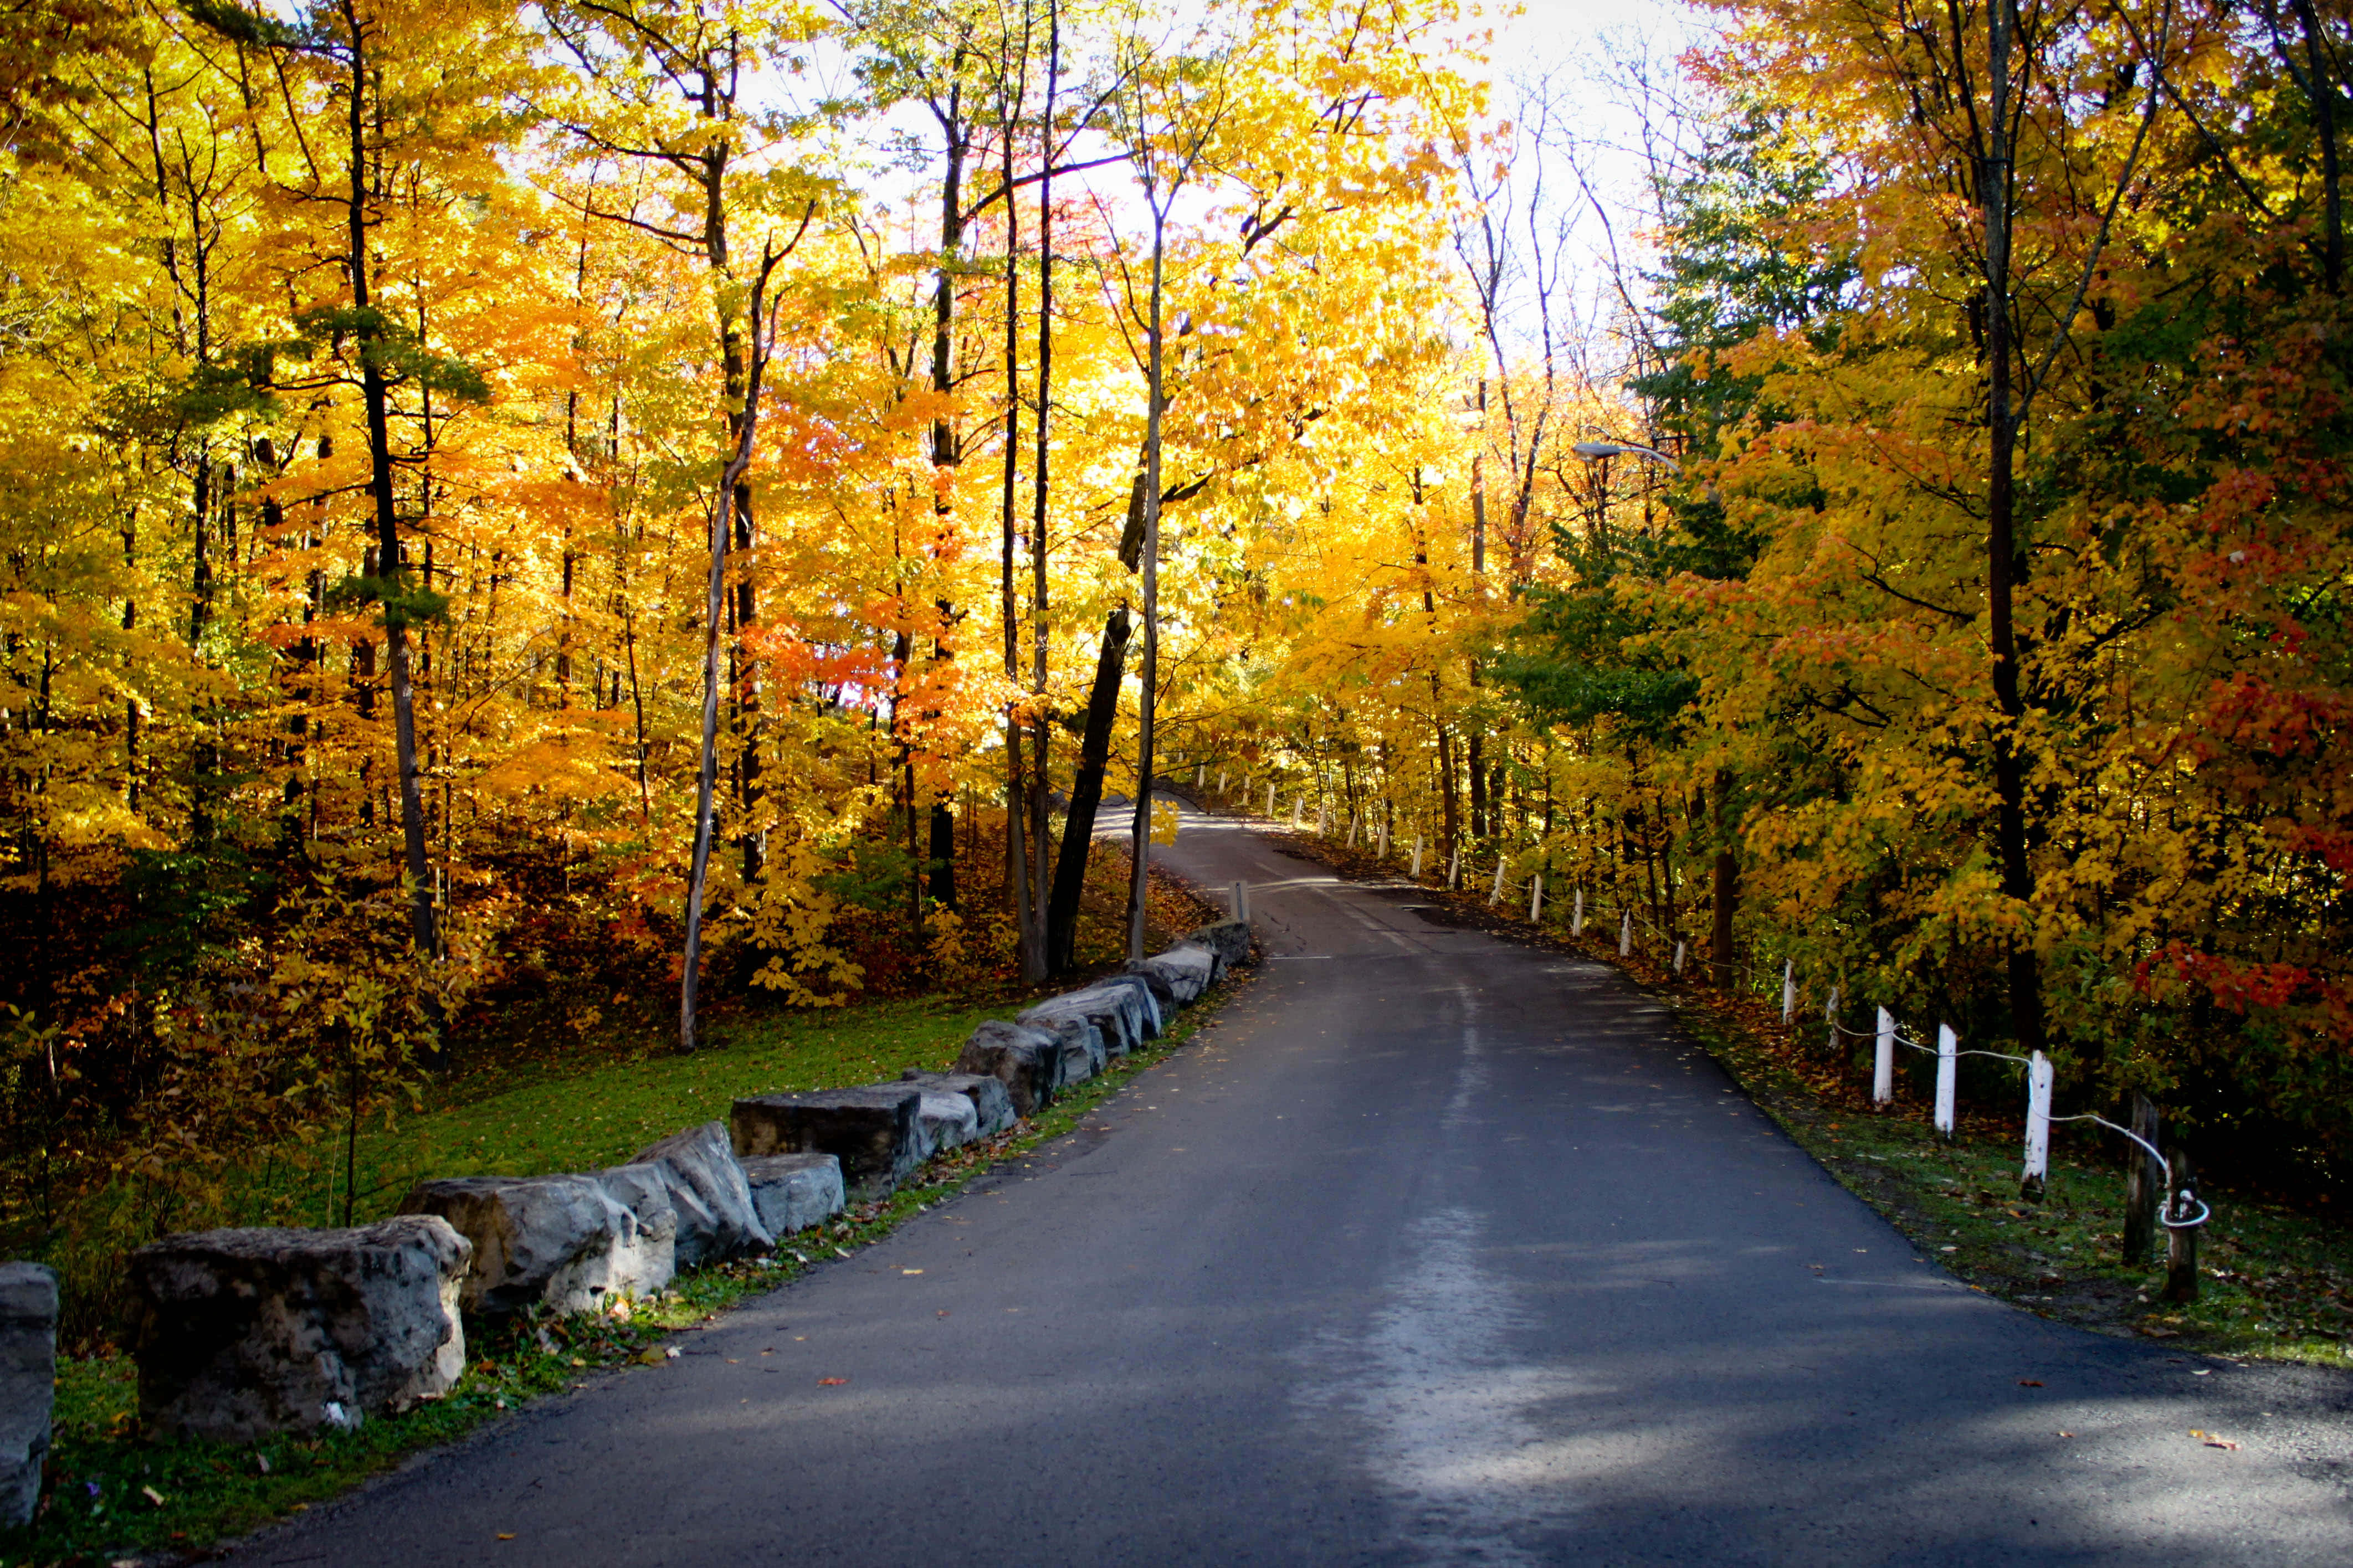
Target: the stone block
pixel 793 1192
pixel 28 1383
pixel 877 1132
pixel 948 1118
pixel 1117 1016
pixel 716 1219
pixel 1187 969
pixel 566 1243
pixel 1228 940
pixel 992 1102
pixel 1023 1059
pixel 1079 1052
pixel 1151 1016
pixel 241 1333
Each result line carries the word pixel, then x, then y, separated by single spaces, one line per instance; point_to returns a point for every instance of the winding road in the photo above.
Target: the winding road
pixel 1431 1249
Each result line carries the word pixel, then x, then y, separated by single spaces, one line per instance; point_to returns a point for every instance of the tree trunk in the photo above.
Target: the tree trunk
pixel 2321 89
pixel 706 787
pixel 374 396
pixel 1725 889
pixel 1086 794
pixel 2143 1183
pixel 1041 732
pixel 1154 379
pixel 2004 564
pixel 1027 893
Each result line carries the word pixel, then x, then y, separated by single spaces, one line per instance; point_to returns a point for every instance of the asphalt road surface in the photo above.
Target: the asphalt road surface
pixel 1431 1249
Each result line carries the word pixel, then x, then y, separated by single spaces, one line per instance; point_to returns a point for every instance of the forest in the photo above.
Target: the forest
pixel 716 502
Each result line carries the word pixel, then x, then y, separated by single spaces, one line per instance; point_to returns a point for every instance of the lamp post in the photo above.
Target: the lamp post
pixel 1599 450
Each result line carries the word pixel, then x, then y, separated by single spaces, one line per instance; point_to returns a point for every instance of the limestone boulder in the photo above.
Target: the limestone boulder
pixel 241 1333
pixel 1228 940
pixel 565 1244
pixel 1151 1017
pixel 1143 970
pixel 28 1383
pixel 1117 1020
pixel 877 1132
pixel 1079 1051
pixel 949 1120
pixel 1186 968
pixel 716 1217
pixel 644 1189
pixel 992 1103
pixel 793 1192
pixel 1138 1014
pixel 1023 1059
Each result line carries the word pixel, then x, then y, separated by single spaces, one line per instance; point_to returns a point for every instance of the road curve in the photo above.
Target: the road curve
pixel 1431 1249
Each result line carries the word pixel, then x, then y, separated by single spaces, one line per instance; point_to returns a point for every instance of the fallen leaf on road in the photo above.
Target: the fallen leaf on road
pixel 911 1271
pixel 2029 1382
pixel 506 1535
pixel 153 1496
pixel 841 1252
pixel 2066 1434
pixel 651 1356
pixel 831 1381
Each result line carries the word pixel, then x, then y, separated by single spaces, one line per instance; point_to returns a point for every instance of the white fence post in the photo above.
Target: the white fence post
pixel 1385 835
pixel 1497 896
pixel 1679 955
pixel 1454 867
pixel 1351 830
pixel 1882 1061
pixel 2038 1127
pixel 1270 800
pixel 1242 902
pixel 1576 916
pixel 1298 804
pixel 1199 769
pixel 1625 933
pixel 1789 989
pixel 1221 780
pixel 1829 1016
pixel 1948 1061
pixel 1536 896
pixel 1417 856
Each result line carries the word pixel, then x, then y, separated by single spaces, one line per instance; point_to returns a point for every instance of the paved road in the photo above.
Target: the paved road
pixel 1433 1249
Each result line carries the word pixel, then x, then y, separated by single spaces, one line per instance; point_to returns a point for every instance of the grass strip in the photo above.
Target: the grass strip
pixel 115 1496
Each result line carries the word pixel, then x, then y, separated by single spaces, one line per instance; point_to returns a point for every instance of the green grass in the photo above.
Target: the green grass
pixel 571 1122
pixel 112 1494
pixel 2272 1282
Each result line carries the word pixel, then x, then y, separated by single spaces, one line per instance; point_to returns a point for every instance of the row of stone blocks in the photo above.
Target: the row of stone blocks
pixel 242 1333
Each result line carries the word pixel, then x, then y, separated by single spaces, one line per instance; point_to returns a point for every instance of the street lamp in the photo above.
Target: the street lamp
pixel 1623 449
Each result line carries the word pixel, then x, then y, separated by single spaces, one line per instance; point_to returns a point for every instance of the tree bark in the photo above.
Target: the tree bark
pixel 367 330
pixel 1154 382
pixel 1086 796
pixel 2004 564
pixel 2142 1184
